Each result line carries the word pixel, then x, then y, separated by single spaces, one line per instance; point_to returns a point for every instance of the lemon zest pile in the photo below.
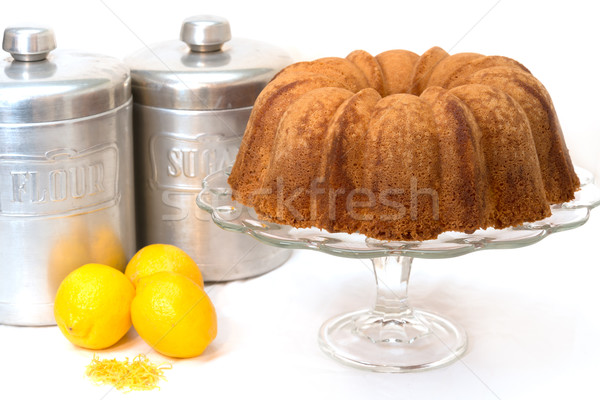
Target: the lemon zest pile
pixel 140 374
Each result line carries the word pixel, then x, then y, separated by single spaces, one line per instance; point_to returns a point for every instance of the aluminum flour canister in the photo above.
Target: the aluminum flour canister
pixel 192 100
pixel 66 169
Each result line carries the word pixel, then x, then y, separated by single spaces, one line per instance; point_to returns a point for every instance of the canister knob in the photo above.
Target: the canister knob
pixel 28 43
pixel 205 33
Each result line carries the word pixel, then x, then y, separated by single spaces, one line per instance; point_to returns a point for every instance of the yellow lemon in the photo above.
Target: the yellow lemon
pixel 173 315
pixel 162 257
pixel 93 306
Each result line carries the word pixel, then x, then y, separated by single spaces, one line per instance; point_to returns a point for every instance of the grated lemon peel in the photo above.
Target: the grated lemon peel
pixel 139 374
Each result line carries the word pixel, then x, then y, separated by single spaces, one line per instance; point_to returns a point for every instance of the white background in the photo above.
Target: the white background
pixel 531 314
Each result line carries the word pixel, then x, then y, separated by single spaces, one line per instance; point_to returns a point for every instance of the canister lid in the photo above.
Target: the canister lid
pixel 205 70
pixel 38 84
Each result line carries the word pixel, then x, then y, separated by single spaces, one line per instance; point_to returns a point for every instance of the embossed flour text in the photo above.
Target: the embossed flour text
pixel 58 184
pixel 61 182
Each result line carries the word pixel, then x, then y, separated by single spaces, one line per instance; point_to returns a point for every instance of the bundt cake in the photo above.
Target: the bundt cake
pixel 402 147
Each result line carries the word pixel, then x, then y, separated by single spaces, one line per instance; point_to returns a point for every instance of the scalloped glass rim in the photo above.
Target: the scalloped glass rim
pixel 215 198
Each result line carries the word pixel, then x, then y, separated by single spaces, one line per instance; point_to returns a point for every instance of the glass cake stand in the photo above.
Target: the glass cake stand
pixel 392 336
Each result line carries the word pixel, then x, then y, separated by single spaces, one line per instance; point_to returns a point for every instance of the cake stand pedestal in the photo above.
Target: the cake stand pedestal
pixel 392 336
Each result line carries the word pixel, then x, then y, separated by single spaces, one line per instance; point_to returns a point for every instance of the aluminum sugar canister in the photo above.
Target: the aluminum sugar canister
pixel 192 100
pixel 66 169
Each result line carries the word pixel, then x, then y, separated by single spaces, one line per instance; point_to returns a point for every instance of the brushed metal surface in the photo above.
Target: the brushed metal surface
pixel 66 199
pixel 174 151
pixel 205 70
pixel 41 85
pixel 205 33
pixel 28 43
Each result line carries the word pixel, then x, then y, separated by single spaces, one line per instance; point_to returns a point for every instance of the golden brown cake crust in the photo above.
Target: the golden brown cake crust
pixel 404 147
pixel 294 165
pixel 402 137
pixel 424 68
pixel 345 165
pixel 464 193
pixel 513 171
pixel 397 67
pixel 447 69
pixel 462 74
pixel 340 69
pixel 255 149
pixel 549 141
pixel 370 68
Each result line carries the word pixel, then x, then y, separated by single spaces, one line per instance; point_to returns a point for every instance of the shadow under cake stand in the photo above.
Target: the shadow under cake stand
pixel 392 336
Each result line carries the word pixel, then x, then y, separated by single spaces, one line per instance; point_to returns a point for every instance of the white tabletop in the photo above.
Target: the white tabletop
pixel 531 315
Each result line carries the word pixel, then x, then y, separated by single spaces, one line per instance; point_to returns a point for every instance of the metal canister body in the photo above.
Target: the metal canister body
pixel 181 148
pixel 192 101
pixel 66 177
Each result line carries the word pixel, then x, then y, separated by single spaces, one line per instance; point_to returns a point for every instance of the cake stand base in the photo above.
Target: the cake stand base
pixel 392 337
